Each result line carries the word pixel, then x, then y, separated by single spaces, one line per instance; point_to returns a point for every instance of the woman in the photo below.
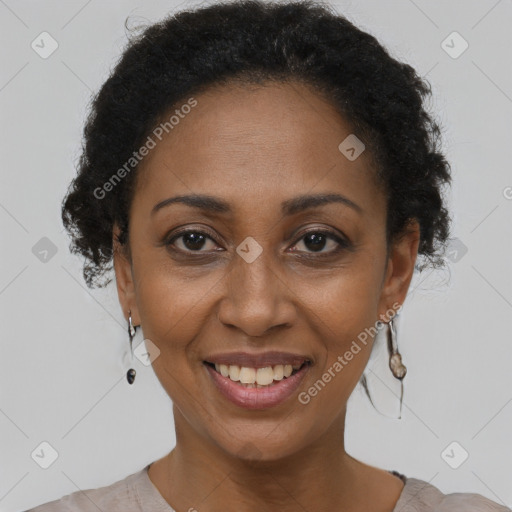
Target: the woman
pixel 263 178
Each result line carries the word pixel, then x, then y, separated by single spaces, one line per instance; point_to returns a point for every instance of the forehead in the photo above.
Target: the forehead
pixel 247 142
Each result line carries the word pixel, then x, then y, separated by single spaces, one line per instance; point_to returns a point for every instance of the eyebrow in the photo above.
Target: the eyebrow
pixel 289 207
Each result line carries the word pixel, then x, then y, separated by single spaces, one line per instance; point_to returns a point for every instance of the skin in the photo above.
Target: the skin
pixel 255 147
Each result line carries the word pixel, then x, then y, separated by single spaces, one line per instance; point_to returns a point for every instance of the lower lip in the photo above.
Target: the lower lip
pixel 257 398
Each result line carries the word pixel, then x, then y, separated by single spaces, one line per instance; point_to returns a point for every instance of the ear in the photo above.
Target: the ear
pixel 124 277
pixel 400 268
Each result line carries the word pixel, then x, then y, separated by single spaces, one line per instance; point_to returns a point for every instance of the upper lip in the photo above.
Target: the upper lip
pixel 257 360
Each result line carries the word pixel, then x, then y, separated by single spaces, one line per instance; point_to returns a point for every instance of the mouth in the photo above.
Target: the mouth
pixel 257 387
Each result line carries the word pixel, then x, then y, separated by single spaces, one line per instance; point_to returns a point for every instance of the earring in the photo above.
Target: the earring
pixel 130 374
pixel 395 358
pixel 396 366
pixel 398 369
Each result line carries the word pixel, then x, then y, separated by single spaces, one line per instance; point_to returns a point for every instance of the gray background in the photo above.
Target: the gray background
pixel 64 347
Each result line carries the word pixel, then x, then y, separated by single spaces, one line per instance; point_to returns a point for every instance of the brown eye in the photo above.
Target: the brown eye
pixel 192 240
pixel 315 241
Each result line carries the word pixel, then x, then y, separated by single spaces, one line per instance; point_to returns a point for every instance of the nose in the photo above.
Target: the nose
pixel 256 297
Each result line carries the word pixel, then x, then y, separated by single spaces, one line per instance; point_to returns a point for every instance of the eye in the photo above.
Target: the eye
pixel 316 240
pixel 193 240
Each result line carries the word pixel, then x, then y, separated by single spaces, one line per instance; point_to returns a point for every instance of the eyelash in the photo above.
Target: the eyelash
pixel 342 244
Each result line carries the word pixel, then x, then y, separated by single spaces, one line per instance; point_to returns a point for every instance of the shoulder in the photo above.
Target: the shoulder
pixel 120 496
pixel 420 496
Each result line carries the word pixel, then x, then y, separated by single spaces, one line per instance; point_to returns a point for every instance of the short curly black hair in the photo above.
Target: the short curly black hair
pixel 252 41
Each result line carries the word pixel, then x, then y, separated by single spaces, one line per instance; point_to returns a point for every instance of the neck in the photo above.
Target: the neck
pixel 198 474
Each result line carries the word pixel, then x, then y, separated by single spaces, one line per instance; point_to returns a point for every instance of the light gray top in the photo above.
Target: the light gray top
pixel 137 493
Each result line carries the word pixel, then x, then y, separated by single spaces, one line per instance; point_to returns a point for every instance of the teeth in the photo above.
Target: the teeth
pixel 278 372
pixel 247 375
pixel 256 377
pixel 265 376
pixel 234 372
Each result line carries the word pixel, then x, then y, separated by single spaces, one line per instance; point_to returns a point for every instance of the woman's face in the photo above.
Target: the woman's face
pixel 265 272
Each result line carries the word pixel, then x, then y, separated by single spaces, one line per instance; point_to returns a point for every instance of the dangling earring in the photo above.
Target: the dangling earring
pixel 130 374
pixel 396 366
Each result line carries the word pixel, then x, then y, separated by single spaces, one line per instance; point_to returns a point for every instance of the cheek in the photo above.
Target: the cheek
pixel 345 303
pixel 174 311
pixel 346 342
pixel 171 303
pixel 345 312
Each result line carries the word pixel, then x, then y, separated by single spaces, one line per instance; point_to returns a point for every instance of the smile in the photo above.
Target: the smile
pixel 257 388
